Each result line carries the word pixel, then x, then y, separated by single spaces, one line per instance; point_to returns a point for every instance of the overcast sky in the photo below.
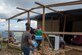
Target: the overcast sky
pixel 8 7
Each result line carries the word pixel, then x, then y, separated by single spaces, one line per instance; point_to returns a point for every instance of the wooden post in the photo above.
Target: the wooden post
pixel 64 25
pixel 43 19
pixel 43 28
pixel 8 27
pixel 28 19
pixel 8 31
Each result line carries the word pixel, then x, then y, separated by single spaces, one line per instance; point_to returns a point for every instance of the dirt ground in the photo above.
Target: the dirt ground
pixel 10 52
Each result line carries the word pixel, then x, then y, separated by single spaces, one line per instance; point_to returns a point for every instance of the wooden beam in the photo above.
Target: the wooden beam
pixel 8 27
pixel 17 15
pixel 28 19
pixel 8 19
pixel 28 10
pixel 43 19
pixel 61 4
pixel 48 40
pixel 64 25
pixel 67 33
pixel 43 28
pixel 3 18
pixel 45 6
pixel 77 48
pixel 52 5
pixel 8 31
pixel 15 31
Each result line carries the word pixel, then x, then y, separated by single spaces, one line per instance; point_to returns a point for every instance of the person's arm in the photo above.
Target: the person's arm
pixel 30 42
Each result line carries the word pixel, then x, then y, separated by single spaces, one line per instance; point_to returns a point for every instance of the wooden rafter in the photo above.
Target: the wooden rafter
pixel 45 6
pixel 61 4
pixel 28 10
pixel 52 5
pixel 20 14
pixel 17 15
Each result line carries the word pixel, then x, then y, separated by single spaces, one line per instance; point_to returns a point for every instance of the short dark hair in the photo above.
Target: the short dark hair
pixel 27 28
pixel 27 24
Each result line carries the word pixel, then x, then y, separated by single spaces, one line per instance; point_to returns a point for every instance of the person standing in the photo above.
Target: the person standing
pixel 26 41
pixel 38 37
pixel 31 31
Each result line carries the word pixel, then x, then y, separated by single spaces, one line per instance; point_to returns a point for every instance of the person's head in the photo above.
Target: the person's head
pixel 39 28
pixel 10 35
pixel 27 24
pixel 28 28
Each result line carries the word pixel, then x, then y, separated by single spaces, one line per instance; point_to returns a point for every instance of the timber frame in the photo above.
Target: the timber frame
pixel 43 17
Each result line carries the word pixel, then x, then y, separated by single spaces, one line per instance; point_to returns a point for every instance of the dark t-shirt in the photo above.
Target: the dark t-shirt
pixel 26 35
pixel 32 31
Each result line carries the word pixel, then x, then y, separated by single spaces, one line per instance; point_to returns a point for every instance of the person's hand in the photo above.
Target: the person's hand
pixel 34 46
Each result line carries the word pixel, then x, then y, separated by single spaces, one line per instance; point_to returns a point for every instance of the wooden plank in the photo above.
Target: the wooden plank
pixel 8 27
pixel 45 6
pixel 8 31
pixel 52 5
pixel 67 33
pixel 64 25
pixel 15 31
pixel 61 4
pixel 28 19
pixel 48 40
pixel 17 15
pixel 43 20
pixel 3 18
pixel 28 10
pixel 43 28
pixel 78 48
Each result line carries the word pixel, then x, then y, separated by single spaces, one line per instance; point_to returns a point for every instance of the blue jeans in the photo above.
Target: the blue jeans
pixel 26 50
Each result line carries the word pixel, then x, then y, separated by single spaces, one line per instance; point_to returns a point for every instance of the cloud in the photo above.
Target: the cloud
pixel 2 15
pixel 8 7
pixel 14 25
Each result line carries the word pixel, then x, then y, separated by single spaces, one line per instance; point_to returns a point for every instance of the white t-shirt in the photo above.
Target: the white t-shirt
pixel 61 39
